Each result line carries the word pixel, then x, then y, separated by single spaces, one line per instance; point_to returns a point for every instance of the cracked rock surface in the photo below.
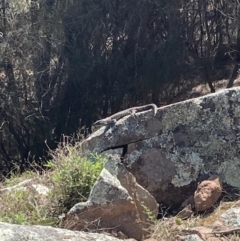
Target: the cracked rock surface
pixel 169 153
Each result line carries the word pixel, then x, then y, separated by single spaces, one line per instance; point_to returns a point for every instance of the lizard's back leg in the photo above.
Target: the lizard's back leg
pixel 133 113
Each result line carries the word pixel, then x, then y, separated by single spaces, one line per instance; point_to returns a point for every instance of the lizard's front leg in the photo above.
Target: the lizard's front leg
pixel 133 113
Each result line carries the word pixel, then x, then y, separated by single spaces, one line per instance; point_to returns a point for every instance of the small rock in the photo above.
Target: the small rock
pixel 231 217
pixel 185 213
pixel 200 231
pixel 207 193
pixel 193 237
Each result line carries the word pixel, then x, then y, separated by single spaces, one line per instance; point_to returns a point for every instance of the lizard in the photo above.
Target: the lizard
pixel 131 111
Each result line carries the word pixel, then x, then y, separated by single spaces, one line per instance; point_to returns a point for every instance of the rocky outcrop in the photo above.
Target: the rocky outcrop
pixel 116 203
pixel 166 155
pixel 183 144
pixel 15 232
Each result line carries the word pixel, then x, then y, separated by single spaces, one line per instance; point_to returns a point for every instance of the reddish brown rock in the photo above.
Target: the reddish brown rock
pixel 207 193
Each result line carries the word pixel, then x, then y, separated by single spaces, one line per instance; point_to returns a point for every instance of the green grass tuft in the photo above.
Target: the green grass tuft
pixel 73 177
pixel 70 179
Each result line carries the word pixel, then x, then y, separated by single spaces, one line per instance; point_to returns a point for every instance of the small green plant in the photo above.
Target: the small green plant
pixel 21 207
pixel 72 176
pixel 151 216
pixel 178 221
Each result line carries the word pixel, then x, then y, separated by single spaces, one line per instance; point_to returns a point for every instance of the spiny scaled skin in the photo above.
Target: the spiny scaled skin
pixel 131 111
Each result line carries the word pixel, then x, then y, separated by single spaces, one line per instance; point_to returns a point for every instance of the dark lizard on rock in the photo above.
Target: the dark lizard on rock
pixel 131 111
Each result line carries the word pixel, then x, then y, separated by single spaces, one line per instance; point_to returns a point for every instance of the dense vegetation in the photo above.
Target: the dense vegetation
pixel 66 63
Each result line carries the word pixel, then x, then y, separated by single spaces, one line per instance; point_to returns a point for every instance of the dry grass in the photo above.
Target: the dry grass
pixel 170 228
pixel 69 179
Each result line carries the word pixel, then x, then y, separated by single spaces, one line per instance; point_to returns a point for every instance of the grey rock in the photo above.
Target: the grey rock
pixel 116 203
pixel 169 153
pixel 192 237
pixel 13 232
pixel 231 217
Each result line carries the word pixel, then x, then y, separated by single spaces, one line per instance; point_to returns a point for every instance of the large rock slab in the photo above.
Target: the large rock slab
pixel 168 153
pixel 127 130
pixel 15 232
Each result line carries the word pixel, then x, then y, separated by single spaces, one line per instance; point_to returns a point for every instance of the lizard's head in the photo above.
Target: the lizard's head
pixel 104 122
